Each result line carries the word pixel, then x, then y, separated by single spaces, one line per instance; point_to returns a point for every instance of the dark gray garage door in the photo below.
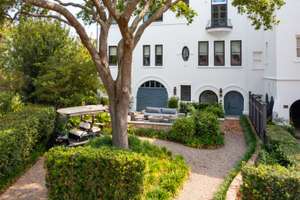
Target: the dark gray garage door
pixel 234 103
pixel 151 93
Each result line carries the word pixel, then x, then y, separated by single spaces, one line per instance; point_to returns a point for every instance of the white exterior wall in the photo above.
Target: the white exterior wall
pixel 282 76
pixel 174 34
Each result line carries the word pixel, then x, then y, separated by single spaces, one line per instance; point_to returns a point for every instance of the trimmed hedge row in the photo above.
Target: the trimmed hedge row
pixel 22 134
pixel 201 130
pixel 100 171
pixel 267 182
pixel 277 174
pixel 282 147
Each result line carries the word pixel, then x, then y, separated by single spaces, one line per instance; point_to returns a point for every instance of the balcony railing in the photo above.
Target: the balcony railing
pixel 220 24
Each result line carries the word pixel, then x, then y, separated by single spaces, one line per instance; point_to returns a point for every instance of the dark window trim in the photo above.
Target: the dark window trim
pixel 226 18
pixel 207 43
pixel 144 46
pixel 190 93
pixel 223 52
pixel 109 54
pixel 162 55
pixel 241 54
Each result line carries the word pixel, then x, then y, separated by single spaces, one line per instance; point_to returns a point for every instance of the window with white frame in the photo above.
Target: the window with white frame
pixel 146 55
pixel 298 46
pixel 158 55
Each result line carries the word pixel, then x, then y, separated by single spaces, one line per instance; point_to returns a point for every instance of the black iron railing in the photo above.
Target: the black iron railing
pixel 258 115
pixel 219 23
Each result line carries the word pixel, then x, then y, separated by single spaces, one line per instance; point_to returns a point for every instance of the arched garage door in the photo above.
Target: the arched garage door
pixel 233 103
pixel 153 94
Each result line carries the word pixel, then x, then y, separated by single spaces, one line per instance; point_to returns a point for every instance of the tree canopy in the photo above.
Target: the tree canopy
pixel 52 67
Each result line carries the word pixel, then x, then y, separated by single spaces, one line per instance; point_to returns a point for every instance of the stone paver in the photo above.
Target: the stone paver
pixel 31 186
pixel 208 168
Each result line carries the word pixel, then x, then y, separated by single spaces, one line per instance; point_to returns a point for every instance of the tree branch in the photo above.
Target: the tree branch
pixel 56 17
pixel 156 15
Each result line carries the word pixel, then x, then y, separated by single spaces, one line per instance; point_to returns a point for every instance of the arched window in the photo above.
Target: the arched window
pixel 152 84
pixel 208 97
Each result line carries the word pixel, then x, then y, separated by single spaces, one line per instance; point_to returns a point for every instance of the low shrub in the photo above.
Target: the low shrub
pixel 201 130
pixel 270 183
pixel 22 134
pixel 277 174
pixel 182 130
pixel 100 171
pixel 216 108
pixel 10 102
pixel 207 127
pixel 250 139
pixel 173 102
pixel 282 147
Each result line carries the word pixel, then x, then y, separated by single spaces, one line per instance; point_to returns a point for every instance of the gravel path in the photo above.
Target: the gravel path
pixel 208 168
pixel 31 186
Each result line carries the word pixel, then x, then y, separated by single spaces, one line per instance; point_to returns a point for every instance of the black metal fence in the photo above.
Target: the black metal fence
pixel 258 114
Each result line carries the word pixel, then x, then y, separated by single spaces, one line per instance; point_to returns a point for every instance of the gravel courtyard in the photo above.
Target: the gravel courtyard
pixel 208 168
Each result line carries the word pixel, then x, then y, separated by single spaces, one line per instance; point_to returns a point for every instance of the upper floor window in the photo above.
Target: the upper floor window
pixel 158 55
pixel 219 13
pixel 146 55
pixel 298 46
pixel 236 53
pixel 112 55
pixel 203 53
pixel 219 49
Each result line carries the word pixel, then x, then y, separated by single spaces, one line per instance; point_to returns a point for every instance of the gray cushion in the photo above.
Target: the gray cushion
pixel 169 111
pixel 152 110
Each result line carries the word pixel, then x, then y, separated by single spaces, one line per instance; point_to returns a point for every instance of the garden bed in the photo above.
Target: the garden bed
pixel 23 137
pixel 276 175
pixel 100 171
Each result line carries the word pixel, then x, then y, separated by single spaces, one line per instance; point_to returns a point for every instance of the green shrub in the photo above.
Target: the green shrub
pixel 22 134
pixel 104 101
pixel 173 102
pixel 183 107
pixel 198 131
pixel 216 109
pixel 10 102
pixel 182 129
pixel 100 171
pixel 207 127
pixel 270 183
pixel 282 147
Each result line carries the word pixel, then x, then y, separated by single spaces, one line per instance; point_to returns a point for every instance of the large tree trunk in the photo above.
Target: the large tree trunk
pixel 119 100
pixel 119 113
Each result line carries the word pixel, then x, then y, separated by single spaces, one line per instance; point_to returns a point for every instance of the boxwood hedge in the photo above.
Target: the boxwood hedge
pixel 277 174
pixel 266 182
pixel 22 134
pixel 99 171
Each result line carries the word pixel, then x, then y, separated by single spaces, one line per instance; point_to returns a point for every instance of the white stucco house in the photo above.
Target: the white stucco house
pixel 219 57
